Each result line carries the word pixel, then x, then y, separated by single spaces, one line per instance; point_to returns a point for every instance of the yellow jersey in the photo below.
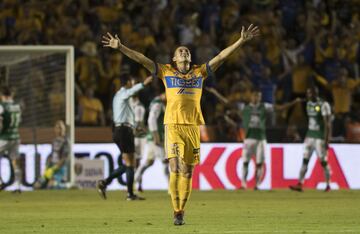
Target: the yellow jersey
pixel 183 93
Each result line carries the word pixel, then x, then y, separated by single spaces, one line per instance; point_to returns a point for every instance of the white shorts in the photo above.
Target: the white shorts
pixel 253 147
pixel 11 147
pixel 140 143
pixel 154 151
pixel 311 144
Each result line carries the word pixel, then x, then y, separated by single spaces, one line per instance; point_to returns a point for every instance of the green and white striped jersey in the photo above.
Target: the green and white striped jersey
pixel 11 117
pixel 254 120
pixel 316 112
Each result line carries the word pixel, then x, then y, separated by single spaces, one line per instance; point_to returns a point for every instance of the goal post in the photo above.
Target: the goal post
pixel 50 62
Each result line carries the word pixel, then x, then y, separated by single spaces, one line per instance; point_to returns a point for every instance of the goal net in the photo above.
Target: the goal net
pixel 42 78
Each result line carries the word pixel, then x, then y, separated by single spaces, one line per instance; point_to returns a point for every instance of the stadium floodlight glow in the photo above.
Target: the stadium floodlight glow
pixel 36 72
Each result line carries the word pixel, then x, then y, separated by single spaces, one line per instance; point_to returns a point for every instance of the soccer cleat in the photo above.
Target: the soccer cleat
pixel 101 188
pixel 256 188
pixel 16 191
pixel 297 187
pixel 179 218
pixel 140 189
pixel 327 189
pixel 134 198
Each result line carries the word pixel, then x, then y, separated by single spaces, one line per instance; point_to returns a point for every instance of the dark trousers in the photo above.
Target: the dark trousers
pixel 123 137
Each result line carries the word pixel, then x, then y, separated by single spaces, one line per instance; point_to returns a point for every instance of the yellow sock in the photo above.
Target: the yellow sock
pixel 174 190
pixel 184 190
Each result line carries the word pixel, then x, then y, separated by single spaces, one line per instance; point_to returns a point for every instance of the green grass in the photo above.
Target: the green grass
pixel 277 211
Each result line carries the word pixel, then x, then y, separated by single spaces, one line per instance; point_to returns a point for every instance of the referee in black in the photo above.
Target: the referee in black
pixel 123 135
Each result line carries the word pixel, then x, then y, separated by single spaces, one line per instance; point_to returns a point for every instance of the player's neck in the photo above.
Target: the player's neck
pixel 183 67
pixel 315 99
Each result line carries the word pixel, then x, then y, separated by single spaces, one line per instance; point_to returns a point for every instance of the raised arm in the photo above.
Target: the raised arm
pixel 217 95
pixel 287 105
pixel 322 81
pixel 246 35
pixel 136 88
pixel 115 43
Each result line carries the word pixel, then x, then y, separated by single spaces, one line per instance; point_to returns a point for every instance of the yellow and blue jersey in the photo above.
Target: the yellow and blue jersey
pixel 183 93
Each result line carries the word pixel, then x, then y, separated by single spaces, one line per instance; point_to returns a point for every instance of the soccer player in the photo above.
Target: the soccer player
pixel 254 122
pixel 317 136
pixel 56 162
pixel 140 130
pixel 10 118
pixel 123 135
pixel 183 82
pixel 155 145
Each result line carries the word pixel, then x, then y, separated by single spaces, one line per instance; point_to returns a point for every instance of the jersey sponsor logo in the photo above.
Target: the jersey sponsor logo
pixel 176 82
pixel 219 167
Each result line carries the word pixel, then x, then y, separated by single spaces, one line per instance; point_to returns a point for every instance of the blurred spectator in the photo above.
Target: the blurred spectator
pixel 301 77
pixel 88 67
pixel 297 38
pixel 188 30
pixel 206 49
pixel 342 89
pixel 292 134
pixel 267 86
pixel 353 128
pixel 57 100
pixel 90 110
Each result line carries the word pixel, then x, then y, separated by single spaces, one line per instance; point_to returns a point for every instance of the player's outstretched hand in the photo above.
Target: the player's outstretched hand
pixel 111 41
pixel 250 33
pixel 148 80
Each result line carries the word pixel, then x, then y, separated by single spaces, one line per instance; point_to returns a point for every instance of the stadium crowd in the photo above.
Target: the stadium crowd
pixel 302 43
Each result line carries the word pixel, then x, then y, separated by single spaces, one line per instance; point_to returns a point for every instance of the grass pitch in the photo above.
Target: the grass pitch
pixel 278 211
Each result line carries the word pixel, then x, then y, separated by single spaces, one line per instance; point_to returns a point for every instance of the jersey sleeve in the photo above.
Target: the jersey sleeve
pixel 325 109
pixel 160 70
pixel 153 116
pixel 99 105
pixel 126 94
pixel 1 109
pixel 205 70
